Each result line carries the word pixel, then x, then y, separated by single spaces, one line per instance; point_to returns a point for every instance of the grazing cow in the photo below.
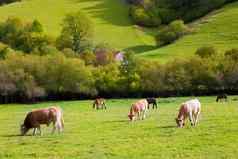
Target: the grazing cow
pixel 152 101
pixel 43 116
pixel 191 109
pixel 99 103
pixel 139 108
pixel 220 97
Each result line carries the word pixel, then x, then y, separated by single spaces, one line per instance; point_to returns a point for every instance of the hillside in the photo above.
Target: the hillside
pixel 219 28
pixel 112 24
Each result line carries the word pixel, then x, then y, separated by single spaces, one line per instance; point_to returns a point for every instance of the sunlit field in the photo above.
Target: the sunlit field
pixel 102 134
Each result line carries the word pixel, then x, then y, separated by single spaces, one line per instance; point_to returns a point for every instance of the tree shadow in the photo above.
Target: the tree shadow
pixel 108 11
pixel 141 48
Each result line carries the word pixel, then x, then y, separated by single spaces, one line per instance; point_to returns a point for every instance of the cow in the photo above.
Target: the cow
pixel 153 102
pixel 99 103
pixel 138 109
pixel 220 97
pixel 191 109
pixel 46 116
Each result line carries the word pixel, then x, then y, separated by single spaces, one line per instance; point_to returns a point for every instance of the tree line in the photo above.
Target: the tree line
pixel 28 78
pixel 34 66
pixel 152 13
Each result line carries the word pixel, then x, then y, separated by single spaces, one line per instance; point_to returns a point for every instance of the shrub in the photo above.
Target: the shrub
pixel 206 51
pixel 172 32
pixel 23 36
pixel 143 17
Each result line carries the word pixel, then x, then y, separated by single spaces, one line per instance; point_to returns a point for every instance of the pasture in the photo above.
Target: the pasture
pixel 102 134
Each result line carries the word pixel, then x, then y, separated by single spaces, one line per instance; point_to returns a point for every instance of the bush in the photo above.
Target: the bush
pixel 206 51
pixel 156 12
pixel 143 17
pixel 23 36
pixel 172 32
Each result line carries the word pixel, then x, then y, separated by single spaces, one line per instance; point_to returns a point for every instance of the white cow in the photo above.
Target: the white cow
pixel 191 109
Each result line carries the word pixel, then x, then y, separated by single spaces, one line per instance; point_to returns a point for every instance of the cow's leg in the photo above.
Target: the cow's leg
pixel 34 131
pixel 39 130
pixel 59 126
pixel 138 115
pixel 191 118
pixel 144 115
pixel 196 118
pixel 54 127
pixel 104 105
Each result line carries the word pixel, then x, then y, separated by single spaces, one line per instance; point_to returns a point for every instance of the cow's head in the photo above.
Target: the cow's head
pixel 23 129
pixel 131 116
pixel 180 122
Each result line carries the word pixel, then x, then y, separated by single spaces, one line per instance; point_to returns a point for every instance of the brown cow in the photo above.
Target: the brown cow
pixel 99 103
pixel 43 116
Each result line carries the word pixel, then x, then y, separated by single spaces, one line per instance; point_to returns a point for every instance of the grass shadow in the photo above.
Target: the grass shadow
pixel 113 12
pixel 141 48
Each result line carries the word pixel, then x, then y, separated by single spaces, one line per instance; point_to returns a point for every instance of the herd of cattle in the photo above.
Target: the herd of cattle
pixel 189 109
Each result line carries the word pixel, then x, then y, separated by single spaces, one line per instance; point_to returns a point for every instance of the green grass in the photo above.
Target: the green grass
pixel 219 29
pixel 108 134
pixel 110 18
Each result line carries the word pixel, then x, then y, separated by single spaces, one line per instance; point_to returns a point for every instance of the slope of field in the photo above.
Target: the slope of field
pixel 108 134
pixel 110 18
pixel 219 28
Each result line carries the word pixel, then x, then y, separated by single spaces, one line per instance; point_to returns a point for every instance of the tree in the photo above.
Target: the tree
pixel 76 32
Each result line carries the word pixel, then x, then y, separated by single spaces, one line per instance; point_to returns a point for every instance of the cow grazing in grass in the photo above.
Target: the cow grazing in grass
pixel 46 116
pixel 191 109
pixel 138 109
pixel 153 102
pixel 221 97
pixel 99 103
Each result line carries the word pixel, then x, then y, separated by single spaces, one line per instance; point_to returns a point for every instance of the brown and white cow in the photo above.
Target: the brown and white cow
pixel 99 103
pixel 46 116
pixel 191 109
pixel 138 109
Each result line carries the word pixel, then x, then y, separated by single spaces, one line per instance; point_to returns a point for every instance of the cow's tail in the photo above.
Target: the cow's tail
pixel 59 117
pixel 62 121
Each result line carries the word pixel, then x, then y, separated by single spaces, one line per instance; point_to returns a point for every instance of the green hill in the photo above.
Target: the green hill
pixel 219 28
pixel 112 24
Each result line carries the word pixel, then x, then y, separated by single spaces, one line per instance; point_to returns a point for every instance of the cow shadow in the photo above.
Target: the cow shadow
pixel 116 121
pixel 14 135
pixel 167 127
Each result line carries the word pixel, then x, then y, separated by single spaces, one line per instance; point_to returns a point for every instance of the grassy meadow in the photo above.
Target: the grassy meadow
pixel 102 134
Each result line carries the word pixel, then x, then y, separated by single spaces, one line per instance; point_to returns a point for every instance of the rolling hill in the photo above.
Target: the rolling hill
pixel 110 17
pixel 113 26
pixel 219 28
